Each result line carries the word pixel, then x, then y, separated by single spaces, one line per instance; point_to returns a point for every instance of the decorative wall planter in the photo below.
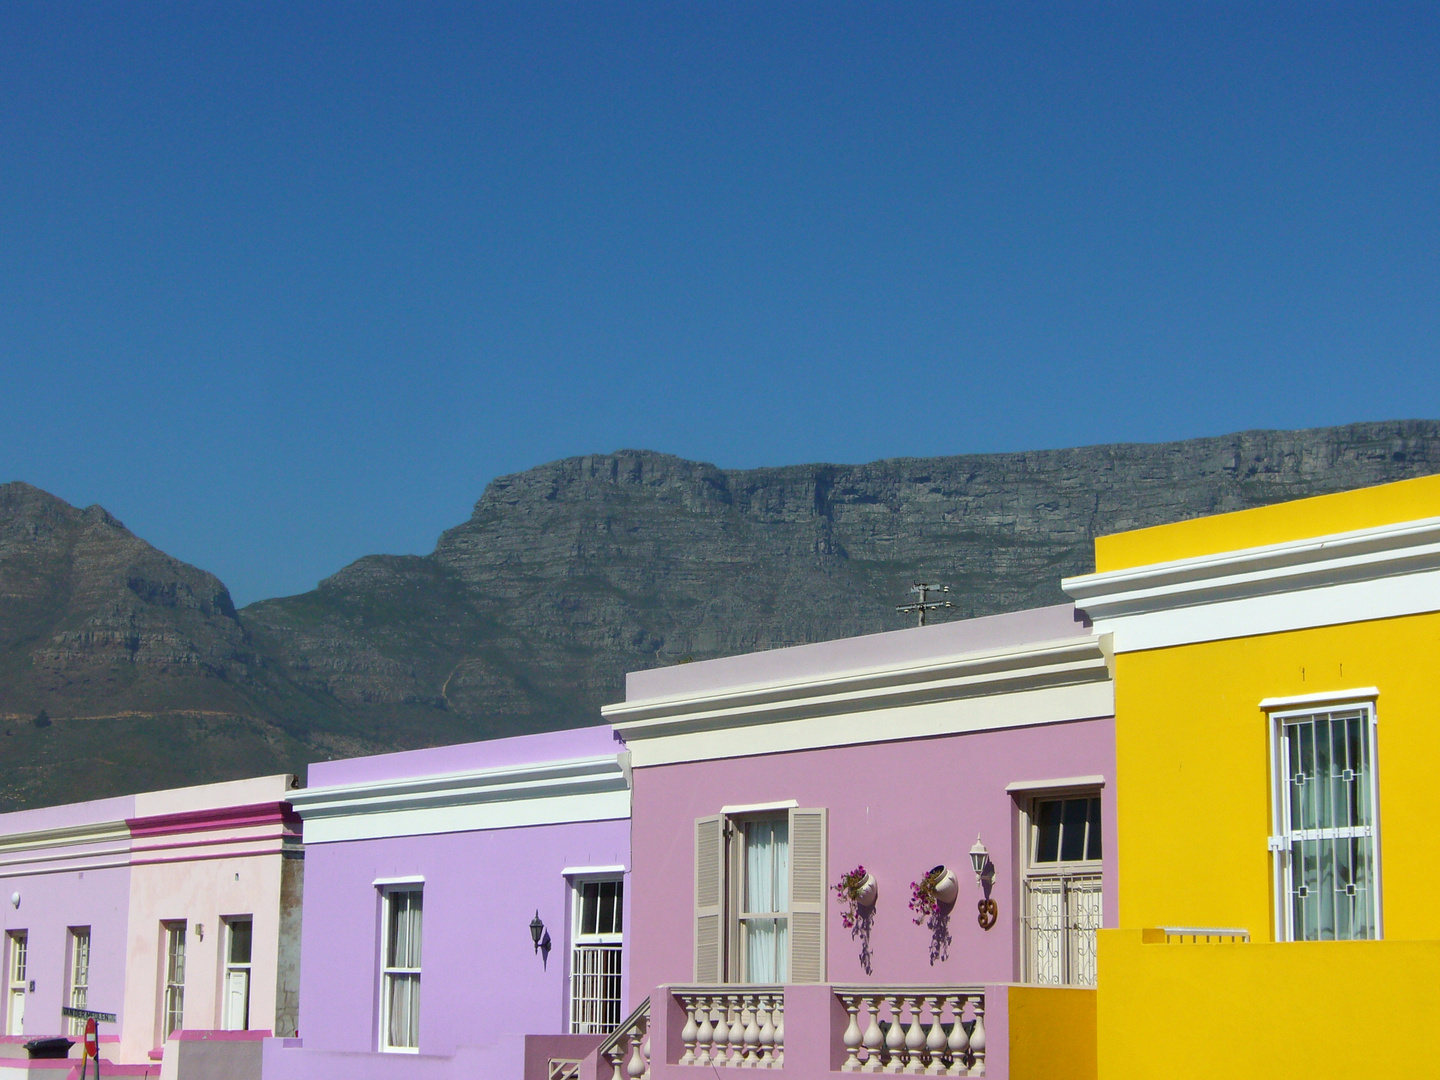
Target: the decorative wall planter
pixel 938 887
pixel 855 890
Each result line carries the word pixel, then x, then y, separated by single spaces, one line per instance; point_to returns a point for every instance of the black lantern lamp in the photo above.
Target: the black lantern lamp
pixel 537 930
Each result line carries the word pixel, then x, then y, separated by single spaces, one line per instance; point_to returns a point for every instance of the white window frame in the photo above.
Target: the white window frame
pixel 389 973
pixel 600 946
pixel 1281 713
pixel 231 967
pixel 1063 875
pixel 172 1002
pixel 17 966
pixel 77 991
pixel 740 919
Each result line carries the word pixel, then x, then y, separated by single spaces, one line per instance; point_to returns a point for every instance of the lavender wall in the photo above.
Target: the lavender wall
pixel 480 975
pixel 899 808
pixel 67 890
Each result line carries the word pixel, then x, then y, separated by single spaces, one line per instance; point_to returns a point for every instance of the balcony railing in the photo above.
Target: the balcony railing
pixel 626 1053
pixel 935 1030
pixel 741 1026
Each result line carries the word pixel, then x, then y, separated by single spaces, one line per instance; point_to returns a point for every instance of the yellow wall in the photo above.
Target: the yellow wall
pixel 1309 1009
pixel 1052 1033
pixel 1193 797
pixel 1405 500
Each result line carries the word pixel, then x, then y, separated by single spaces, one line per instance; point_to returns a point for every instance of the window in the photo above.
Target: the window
pixel 79 974
pixel 19 942
pixel 400 990
pixel 174 978
pixel 1062 889
pixel 760 895
pixel 1326 844
pixel 595 956
pixel 236 1004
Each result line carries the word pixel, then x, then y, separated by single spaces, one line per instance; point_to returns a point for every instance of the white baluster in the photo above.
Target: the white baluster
pixel 852 1035
pixel 752 1031
pixel 959 1042
pixel 645 1049
pixel 777 1012
pixel 616 1057
pixel 705 1035
pixel 767 1033
pixel 914 1038
pixel 934 1038
pixel 689 1031
pixel 977 1038
pixel 874 1038
pixel 636 1068
pixel 894 1038
pixel 722 1031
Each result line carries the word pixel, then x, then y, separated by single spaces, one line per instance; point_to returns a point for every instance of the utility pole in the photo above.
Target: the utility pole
pixel 925 604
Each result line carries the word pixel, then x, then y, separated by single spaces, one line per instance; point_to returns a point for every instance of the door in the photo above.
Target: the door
pixel 17 1012
pixel 237 1000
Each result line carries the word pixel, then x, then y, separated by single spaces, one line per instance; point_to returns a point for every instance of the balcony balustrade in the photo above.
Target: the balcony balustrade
pixel 740 1026
pixel 917 1030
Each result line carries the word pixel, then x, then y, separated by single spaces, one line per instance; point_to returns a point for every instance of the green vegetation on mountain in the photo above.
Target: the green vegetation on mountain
pixel 527 616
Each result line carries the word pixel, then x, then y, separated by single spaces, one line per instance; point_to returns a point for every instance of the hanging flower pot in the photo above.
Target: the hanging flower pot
pixel 939 886
pixel 855 890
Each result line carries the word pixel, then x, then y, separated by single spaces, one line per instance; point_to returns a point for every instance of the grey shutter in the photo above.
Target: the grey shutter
pixel 709 899
pixel 807 896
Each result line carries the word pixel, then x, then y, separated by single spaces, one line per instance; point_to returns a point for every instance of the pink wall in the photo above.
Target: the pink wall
pixel 899 808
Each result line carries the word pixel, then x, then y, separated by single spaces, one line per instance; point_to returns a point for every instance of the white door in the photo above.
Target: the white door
pixel 17 1012
pixel 237 1000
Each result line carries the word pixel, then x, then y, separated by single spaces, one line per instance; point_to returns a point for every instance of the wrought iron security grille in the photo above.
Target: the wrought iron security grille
pixel 1061 916
pixel 1327 841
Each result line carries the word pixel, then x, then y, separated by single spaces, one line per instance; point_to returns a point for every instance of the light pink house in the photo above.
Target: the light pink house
pixel 758 781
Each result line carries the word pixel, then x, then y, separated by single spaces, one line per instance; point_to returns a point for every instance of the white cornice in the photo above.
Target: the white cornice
pixel 1046 682
pixel 98 845
pixel 1352 576
pixel 582 789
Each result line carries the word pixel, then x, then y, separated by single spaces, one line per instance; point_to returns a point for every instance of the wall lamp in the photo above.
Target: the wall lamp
pixel 989 911
pixel 979 856
pixel 537 929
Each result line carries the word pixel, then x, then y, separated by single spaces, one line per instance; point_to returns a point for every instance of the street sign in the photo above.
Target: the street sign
pixel 88 1014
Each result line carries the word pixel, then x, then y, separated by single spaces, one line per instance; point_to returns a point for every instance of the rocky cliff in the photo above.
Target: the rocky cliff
pixel 566 576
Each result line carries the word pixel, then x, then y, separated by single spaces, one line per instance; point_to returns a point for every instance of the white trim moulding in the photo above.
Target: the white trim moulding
pixel 404 879
pixel 1363 693
pixel 1063 782
pixel 585 871
pixel 760 807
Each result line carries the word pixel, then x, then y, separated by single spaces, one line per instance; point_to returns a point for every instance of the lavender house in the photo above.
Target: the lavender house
pixel 762 782
pixel 466 910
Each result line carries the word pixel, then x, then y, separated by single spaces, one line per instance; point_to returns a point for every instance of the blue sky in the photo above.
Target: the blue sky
pixel 285 284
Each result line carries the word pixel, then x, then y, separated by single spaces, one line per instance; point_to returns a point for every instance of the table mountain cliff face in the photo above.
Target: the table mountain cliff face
pixel 527 616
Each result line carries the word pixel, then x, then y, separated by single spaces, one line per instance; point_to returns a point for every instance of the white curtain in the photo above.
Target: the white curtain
pixel 403 949
pixel 767 889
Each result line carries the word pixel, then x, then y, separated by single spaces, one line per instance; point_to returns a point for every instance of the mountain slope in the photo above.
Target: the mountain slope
pixel 566 576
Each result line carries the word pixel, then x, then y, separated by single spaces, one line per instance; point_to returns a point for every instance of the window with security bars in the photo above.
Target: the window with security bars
pixel 595 957
pixel 174 978
pixel 400 1019
pixel 79 974
pixel 1062 890
pixel 1326 847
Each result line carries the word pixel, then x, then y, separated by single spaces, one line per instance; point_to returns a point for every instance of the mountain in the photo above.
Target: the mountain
pixel 526 616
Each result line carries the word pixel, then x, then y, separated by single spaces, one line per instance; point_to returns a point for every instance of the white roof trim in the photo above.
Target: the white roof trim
pixel 583 871
pixel 548 793
pixel 1335 559
pixel 1362 693
pixel 406 879
pixel 977 674
pixel 1063 782
pixel 755 808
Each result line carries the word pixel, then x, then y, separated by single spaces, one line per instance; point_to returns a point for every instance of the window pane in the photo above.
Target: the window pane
pixel 1092 829
pixel 767 944
pixel 1047 831
pixel 240 941
pixel 618 917
pixel 767 865
pixel 1072 833
pixel 589 905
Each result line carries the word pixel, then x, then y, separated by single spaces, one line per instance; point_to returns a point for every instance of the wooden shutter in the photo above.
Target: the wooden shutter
pixel 709 899
pixel 807 896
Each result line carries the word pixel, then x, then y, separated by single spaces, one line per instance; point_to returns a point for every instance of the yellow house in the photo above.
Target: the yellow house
pixel 1277 704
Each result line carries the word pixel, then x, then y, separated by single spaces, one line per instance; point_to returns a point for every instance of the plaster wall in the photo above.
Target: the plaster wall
pixel 190 878
pixel 898 808
pixel 481 977
pixel 64 885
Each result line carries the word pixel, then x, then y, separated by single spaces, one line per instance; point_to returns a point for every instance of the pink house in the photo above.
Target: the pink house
pixel 761 782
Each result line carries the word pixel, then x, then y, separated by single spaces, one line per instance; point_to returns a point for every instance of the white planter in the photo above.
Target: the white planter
pixel 947 886
pixel 866 892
